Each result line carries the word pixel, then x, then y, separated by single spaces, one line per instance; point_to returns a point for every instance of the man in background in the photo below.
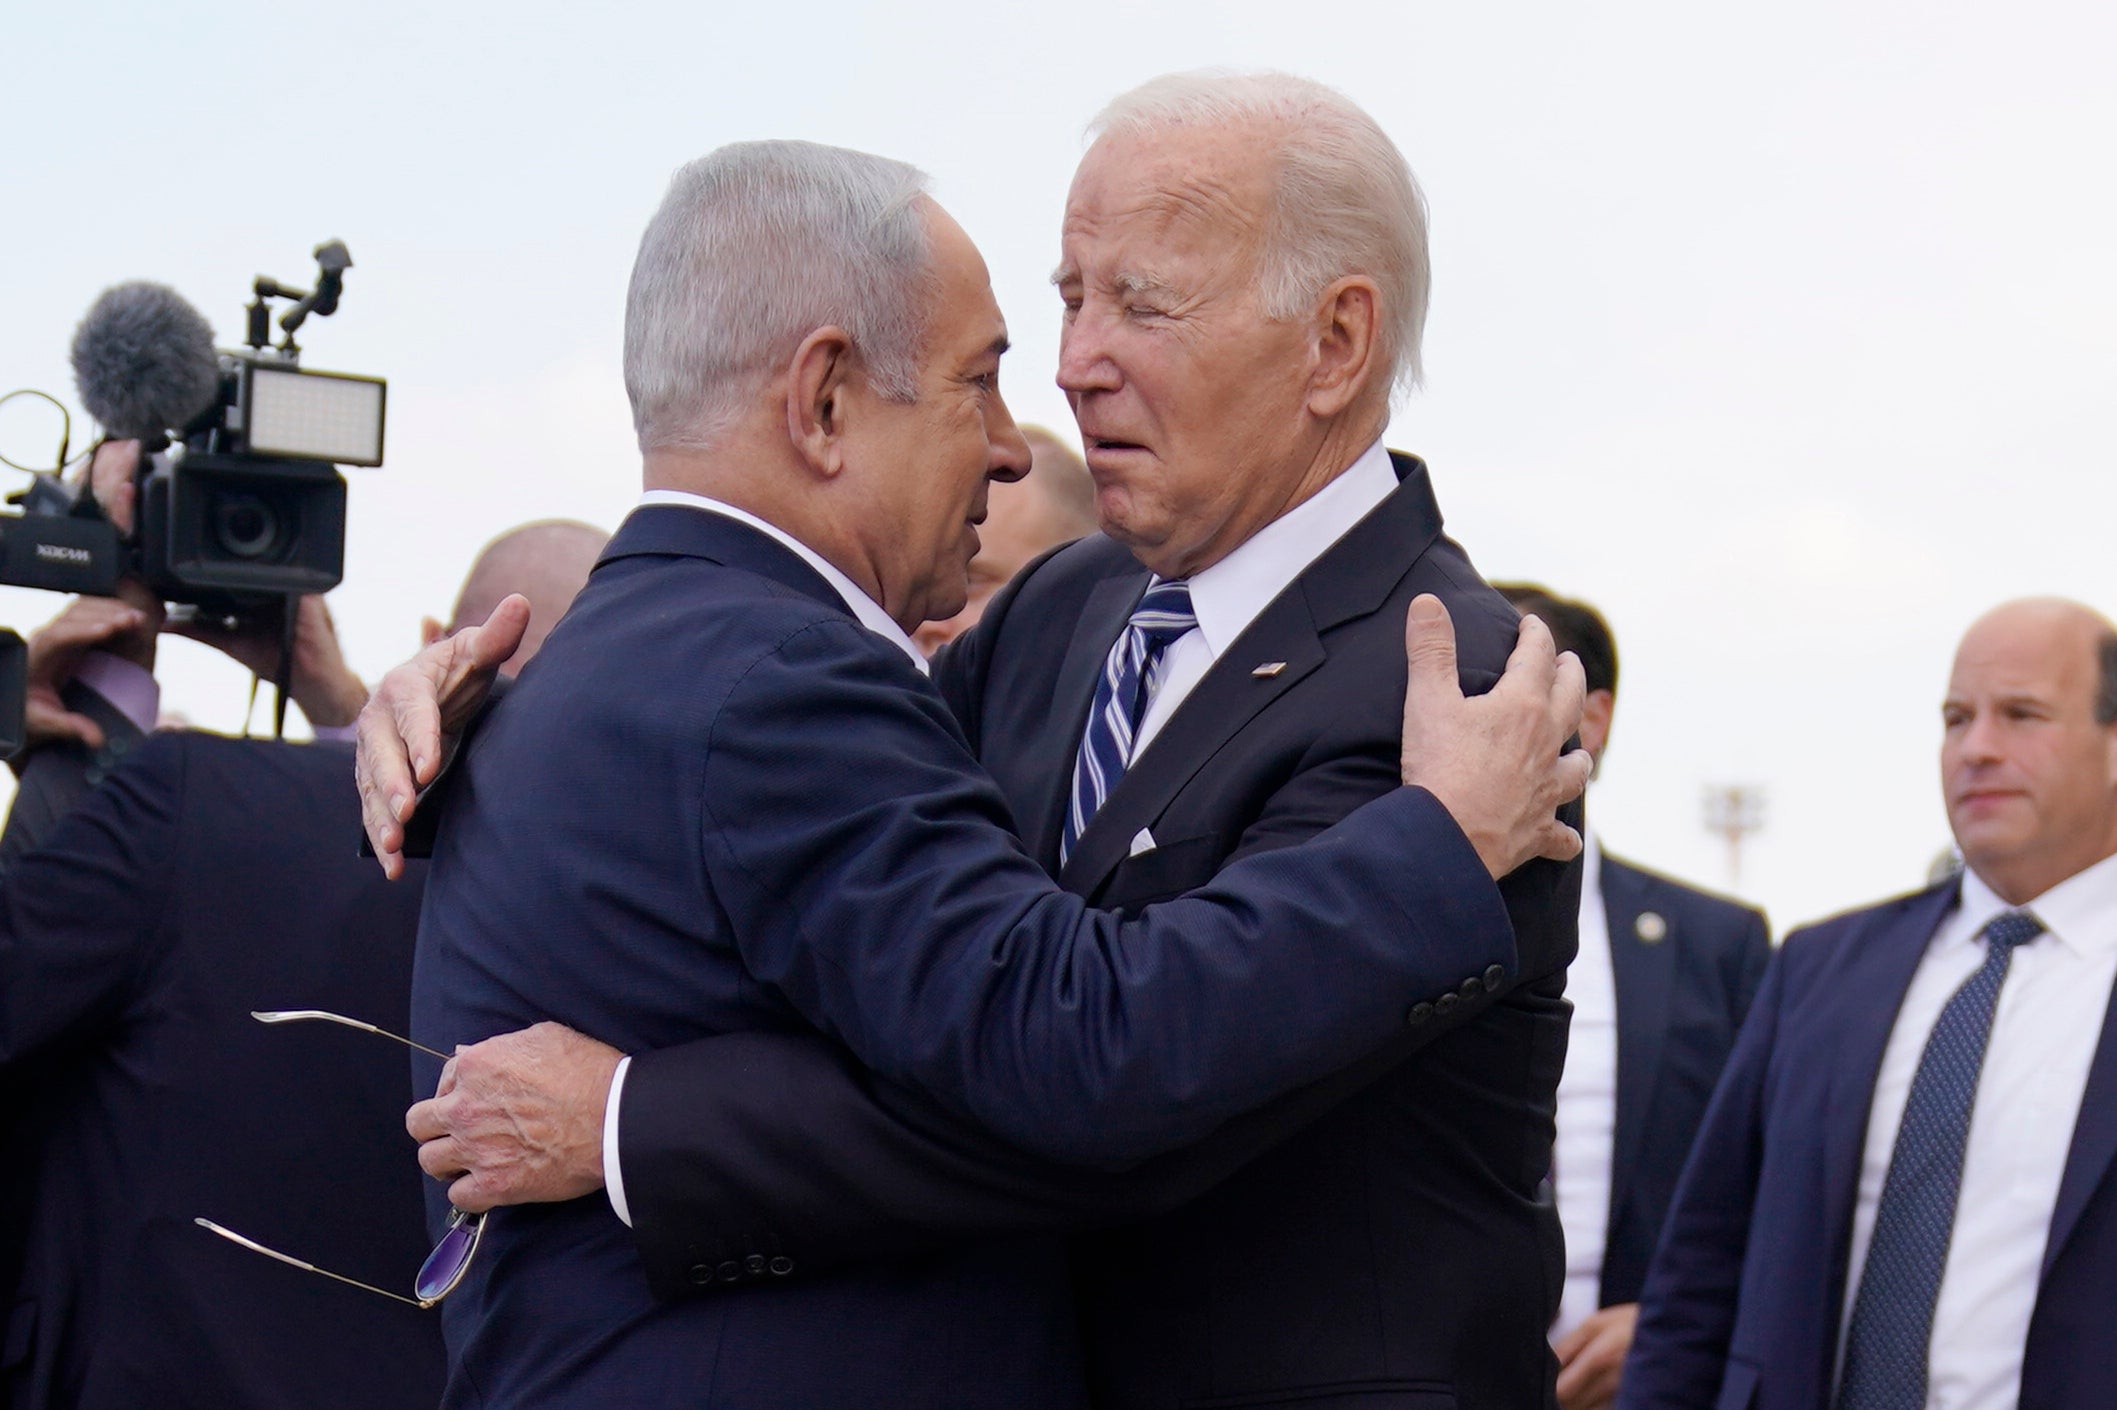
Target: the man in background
pixel 1902 1193
pixel 1053 504
pixel 1664 977
pixel 201 879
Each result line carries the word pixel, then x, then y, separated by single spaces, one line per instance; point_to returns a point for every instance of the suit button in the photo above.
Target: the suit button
pixel 1472 987
pixel 701 1273
pixel 730 1271
pixel 754 1265
pixel 781 1266
pixel 1495 975
pixel 1419 1014
pixel 1446 1005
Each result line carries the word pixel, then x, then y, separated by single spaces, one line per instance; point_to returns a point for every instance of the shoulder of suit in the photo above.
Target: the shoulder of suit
pixel 1669 891
pixel 1834 929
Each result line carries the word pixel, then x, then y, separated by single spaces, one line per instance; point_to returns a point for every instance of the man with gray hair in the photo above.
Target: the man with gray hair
pixel 727 806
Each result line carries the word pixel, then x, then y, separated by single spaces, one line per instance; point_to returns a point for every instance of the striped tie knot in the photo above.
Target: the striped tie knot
pixel 1164 614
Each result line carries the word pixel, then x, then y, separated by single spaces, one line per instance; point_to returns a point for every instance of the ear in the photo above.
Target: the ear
pixel 1596 712
pixel 819 376
pixel 1347 356
pixel 430 631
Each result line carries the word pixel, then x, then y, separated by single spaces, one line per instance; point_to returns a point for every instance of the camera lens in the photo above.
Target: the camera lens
pixel 245 526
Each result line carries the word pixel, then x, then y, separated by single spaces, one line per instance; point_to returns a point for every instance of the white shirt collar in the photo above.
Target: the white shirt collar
pixel 863 607
pixel 1227 597
pixel 1591 870
pixel 2079 912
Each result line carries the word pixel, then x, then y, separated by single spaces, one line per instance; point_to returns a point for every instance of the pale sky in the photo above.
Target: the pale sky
pixel 1782 333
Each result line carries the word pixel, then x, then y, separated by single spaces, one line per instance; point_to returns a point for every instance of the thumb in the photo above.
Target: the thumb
pixel 493 642
pixel 1429 651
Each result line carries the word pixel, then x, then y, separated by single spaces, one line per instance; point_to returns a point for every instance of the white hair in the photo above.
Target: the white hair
pixel 1346 202
pixel 756 246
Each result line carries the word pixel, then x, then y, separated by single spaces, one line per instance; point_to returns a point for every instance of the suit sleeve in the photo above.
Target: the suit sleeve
pixel 1687 1309
pixel 875 885
pixel 80 916
pixel 55 777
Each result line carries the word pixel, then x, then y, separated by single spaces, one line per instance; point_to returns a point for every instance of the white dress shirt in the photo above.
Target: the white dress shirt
pixel 1227 597
pixel 874 619
pixel 2044 1032
pixel 1587 1105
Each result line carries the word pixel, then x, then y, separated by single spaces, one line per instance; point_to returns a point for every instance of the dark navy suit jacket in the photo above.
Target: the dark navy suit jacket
pixel 716 804
pixel 1393 1253
pixel 1743 1305
pixel 204 878
pixel 1685 981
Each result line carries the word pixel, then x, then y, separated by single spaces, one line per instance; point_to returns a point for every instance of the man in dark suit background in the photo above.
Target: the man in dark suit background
pixel 1396 1246
pixel 203 878
pixel 1663 979
pixel 1902 1192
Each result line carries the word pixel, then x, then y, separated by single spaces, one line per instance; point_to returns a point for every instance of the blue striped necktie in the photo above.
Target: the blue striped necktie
pixel 1891 1333
pixel 1130 676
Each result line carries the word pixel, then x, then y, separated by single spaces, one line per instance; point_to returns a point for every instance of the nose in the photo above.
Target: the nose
pixel 1006 451
pixel 1084 363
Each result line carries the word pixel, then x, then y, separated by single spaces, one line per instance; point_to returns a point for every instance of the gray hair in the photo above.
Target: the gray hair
pixel 1347 203
pixel 756 246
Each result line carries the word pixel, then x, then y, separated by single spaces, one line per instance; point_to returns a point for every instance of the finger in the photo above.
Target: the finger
pixel 444 1159
pixel 497 638
pixel 423 1121
pixel 1534 661
pixel 1557 841
pixel 1429 654
pixel 476 1193
pixel 1571 1379
pixel 383 769
pixel 1568 1346
pixel 47 721
pixel 1569 694
pixel 448 1077
pixel 409 699
pixel 86 623
pixel 1576 767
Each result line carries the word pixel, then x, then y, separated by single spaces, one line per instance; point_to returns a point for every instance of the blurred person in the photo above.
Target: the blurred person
pixel 1663 979
pixel 1052 505
pixel 1244 282
pixel 203 878
pixel 1902 1193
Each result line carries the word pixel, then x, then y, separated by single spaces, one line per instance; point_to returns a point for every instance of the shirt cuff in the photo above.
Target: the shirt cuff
pixel 613 1178
pixel 130 687
pixel 335 734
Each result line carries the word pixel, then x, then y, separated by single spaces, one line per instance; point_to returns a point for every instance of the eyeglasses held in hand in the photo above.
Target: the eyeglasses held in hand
pixel 445 1266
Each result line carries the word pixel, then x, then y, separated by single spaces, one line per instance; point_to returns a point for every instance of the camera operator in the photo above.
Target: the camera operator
pixel 147 915
pixel 92 694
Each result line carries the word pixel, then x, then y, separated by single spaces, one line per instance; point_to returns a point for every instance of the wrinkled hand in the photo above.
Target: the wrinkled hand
pixel 1497 761
pixel 321 683
pixel 1591 1358
pixel 124 628
pixel 403 725
pixel 518 1119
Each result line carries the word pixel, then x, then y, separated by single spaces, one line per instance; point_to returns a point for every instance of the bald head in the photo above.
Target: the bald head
pixel 2029 749
pixel 547 562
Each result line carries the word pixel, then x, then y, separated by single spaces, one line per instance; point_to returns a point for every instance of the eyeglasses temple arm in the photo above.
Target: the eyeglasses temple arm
pixel 324 1016
pixel 255 1247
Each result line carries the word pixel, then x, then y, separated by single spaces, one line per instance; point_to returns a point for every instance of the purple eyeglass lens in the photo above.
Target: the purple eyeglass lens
pixel 445 1266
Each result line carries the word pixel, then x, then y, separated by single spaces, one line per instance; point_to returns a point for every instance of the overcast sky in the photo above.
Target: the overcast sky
pixel 1782 333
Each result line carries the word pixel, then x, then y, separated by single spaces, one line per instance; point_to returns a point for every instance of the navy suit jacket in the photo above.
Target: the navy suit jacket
pixel 1685 981
pixel 1743 1305
pixel 1391 1254
pixel 202 879
pixel 716 804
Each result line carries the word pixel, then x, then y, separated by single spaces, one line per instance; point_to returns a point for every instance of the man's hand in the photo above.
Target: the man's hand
pixel 518 1119
pixel 321 683
pixel 55 651
pixel 1591 1358
pixel 403 725
pixel 1496 761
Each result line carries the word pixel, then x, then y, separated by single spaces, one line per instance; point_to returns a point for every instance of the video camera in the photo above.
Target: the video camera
pixel 240 505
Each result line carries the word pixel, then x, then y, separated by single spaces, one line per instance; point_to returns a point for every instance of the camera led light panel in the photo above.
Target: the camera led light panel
pixel 316 415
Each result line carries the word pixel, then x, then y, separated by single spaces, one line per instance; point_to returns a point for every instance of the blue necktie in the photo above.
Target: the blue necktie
pixel 1130 675
pixel 1891 1332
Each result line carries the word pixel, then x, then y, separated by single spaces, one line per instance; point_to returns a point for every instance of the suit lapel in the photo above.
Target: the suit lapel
pixel 2094 1141
pixel 1883 962
pixel 1108 607
pixel 1645 976
pixel 1343 583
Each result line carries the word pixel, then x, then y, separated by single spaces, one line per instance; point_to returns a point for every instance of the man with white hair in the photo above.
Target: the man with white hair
pixel 1244 276
pixel 727 802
